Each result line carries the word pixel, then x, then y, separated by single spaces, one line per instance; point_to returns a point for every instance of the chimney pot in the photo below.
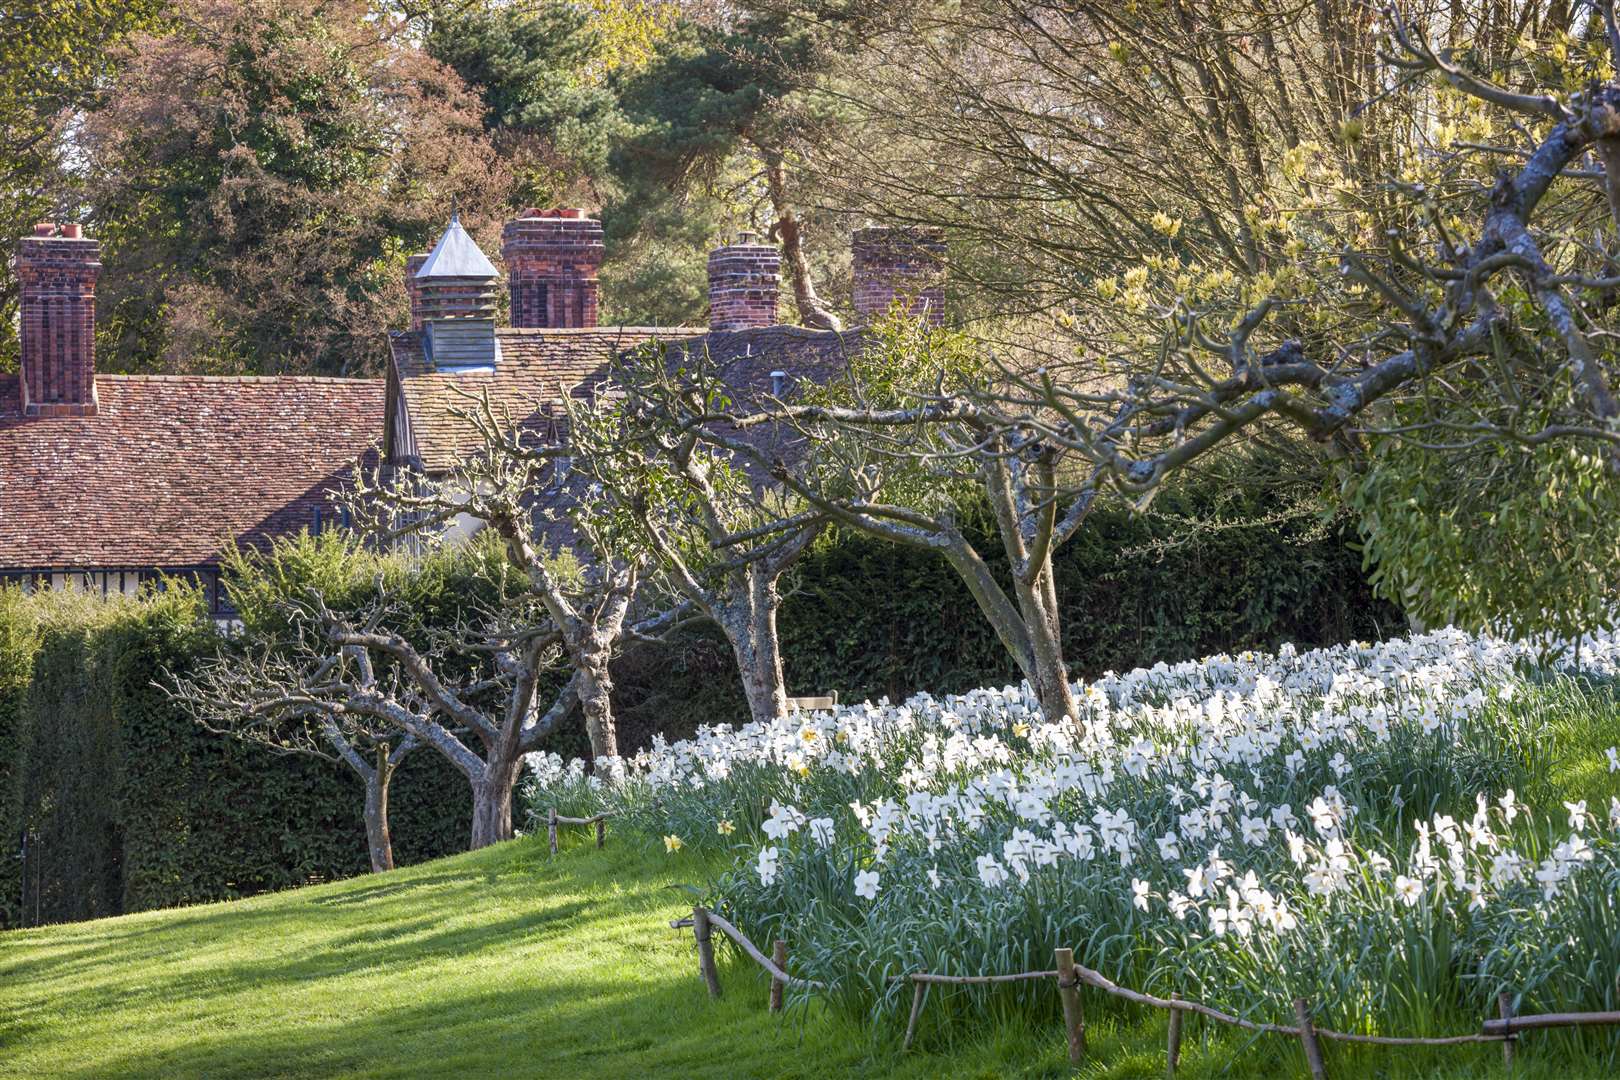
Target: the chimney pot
pixel 57 278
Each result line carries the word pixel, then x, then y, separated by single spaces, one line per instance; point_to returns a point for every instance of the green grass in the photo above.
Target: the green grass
pixel 508 963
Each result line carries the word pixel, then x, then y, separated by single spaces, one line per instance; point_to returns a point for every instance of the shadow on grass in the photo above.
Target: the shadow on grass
pixel 646 1024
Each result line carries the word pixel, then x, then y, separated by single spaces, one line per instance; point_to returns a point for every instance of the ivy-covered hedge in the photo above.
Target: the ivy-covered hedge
pixel 138 807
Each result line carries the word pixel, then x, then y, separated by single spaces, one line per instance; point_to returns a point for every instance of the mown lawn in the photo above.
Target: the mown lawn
pixel 508 963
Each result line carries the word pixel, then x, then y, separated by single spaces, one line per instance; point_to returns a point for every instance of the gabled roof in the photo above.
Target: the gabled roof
pixel 173 467
pixel 747 362
pixel 538 366
pixel 747 359
pixel 456 255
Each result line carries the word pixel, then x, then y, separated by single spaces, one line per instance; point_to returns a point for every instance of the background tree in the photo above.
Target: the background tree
pixel 56 57
pixel 257 175
pixel 1450 314
pixel 719 107
pixel 541 71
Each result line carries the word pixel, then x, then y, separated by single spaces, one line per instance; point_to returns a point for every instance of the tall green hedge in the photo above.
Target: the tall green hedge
pixel 138 807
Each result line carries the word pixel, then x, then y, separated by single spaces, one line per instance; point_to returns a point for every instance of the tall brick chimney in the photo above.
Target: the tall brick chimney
pixel 57 269
pixel 742 284
pixel 552 258
pixel 899 263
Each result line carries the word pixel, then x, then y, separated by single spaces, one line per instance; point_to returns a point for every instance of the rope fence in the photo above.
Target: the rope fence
pixel 553 819
pixel 1070 975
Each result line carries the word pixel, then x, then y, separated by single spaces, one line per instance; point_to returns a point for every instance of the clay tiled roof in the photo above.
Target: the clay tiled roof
pixel 174 467
pixel 746 360
pixel 535 368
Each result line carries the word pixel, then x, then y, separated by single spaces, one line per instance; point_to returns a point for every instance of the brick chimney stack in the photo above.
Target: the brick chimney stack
pixel 552 259
pixel 899 263
pixel 743 281
pixel 57 269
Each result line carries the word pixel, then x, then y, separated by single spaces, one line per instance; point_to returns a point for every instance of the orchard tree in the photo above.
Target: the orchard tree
pixel 1176 188
pixel 486 688
pixel 896 450
pixel 231 696
pixel 1454 348
pixel 573 549
pixel 327 674
pixel 721 533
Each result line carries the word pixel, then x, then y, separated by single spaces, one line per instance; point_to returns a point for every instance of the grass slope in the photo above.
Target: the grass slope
pixel 508 963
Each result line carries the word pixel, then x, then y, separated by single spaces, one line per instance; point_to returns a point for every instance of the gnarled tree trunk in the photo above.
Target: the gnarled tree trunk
pixel 1028 629
pixel 378 840
pixel 596 700
pixel 492 801
pixel 749 623
pixel 1047 673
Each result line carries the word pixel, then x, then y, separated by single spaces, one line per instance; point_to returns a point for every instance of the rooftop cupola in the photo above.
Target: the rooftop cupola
pixel 453 301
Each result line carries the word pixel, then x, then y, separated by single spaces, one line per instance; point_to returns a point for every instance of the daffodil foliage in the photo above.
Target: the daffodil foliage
pixel 1375 827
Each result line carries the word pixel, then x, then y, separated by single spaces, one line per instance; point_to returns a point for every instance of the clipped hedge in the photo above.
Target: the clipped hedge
pixel 137 807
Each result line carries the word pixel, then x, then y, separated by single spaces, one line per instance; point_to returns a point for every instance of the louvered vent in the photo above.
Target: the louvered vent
pixel 462 345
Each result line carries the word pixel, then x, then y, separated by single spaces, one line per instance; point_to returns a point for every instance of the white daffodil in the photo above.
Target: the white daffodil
pixel 767 866
pixel 866 884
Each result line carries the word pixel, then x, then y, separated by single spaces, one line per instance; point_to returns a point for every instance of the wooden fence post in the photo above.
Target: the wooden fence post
pixel 1307 1038
pixel 1074 1018
pixel 702 932
pixel 1504 1009
pixel 1173 1048
pixel 779 958
pixel 919 996
pixel 601 832
pixel 551 829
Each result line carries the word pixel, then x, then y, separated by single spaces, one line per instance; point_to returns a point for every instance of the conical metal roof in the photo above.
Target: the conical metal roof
pixel 456 256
